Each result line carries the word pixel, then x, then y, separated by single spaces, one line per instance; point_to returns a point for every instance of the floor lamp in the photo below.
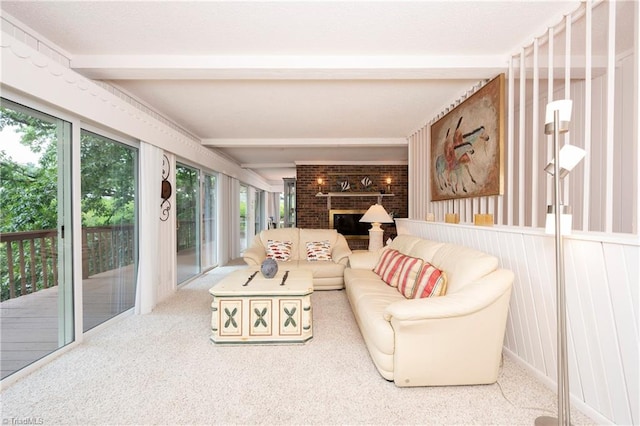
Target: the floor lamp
pixel 557 118
pixel 375 216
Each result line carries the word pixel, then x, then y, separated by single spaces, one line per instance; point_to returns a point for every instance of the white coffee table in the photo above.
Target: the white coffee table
pixel 262 311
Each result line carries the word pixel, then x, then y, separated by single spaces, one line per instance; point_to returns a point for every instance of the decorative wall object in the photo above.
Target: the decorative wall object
pixel 466 146
pixel 357 182
pixel 165 193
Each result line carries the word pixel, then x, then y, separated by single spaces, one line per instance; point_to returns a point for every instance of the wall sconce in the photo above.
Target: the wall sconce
pixel 557 118
pixel 388 185
pixel 320 185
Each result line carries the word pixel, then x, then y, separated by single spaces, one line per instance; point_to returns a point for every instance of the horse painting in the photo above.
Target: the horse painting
pixel 458 151
pixel 466 144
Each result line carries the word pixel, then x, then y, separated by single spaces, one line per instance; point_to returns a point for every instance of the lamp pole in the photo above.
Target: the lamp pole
pixel 564 414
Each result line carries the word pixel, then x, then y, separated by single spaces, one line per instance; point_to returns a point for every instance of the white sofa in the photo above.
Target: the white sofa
pixel 454 339
pixel 327 275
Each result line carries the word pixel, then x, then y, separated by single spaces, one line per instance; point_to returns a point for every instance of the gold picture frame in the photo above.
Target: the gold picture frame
pixel 467 146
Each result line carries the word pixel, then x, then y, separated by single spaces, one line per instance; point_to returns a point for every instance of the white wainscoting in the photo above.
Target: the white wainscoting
pixel 602 308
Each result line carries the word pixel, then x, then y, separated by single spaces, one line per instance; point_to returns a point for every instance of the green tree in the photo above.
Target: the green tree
pixel 28 193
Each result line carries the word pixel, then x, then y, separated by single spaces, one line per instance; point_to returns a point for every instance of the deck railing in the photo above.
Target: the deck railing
pixel 30 259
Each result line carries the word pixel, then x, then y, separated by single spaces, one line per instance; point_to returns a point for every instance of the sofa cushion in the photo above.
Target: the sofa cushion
pixel 404 243
pixel 424 249
pixel 322 269
pixel 463 265
pixel 369 299
pixel 282 234
pixel 279 250
pixel 388 265
pixel 431 281
pixel 318 250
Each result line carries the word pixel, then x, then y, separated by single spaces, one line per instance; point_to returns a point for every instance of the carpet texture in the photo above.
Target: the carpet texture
pixel 162 368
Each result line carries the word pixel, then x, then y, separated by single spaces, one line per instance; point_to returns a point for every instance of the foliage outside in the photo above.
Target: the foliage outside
pixel 29 192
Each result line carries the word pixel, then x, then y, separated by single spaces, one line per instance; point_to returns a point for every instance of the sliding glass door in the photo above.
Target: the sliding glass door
pixel 109 237
pixel 36 307
pixel 209 222
pixel 188 225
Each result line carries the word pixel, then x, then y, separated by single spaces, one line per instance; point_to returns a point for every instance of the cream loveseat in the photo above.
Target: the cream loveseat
pixel 454 339
pixel 327 274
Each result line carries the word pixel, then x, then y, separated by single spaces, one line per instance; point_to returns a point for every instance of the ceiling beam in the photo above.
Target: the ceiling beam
pixel 114 67
pixel 304 142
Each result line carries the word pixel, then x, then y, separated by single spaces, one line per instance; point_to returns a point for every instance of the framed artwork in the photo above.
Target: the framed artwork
pixel 467 146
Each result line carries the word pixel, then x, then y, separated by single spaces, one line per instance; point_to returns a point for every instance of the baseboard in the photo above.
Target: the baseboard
pixel 575 402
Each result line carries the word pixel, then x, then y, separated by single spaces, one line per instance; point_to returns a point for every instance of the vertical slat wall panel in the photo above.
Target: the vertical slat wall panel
pixel 611 63
pixel 587 115
pixel 550 79
pixel 521 137
pixel 602 309
pixel 510 142
pixel 534 136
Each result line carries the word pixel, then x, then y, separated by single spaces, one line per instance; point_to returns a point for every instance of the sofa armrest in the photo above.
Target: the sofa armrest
pixel 364 259
pixel 467 328
pixel 469 299
pixel 341 251
pixel 255 254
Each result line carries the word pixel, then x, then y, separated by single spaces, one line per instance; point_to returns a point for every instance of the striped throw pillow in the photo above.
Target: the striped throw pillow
pixel 388 265
pixel 407 274
pixel 430 282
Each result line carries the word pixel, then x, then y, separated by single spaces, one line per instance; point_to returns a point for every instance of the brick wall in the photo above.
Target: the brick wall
pixel 312 211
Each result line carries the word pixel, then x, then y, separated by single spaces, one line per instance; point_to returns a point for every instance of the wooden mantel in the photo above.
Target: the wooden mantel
pixel 328 195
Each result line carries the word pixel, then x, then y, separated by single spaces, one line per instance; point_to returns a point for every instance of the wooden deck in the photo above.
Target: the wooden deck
pixel 30 323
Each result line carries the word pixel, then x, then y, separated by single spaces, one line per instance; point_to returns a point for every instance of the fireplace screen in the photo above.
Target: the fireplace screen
pixel 347 223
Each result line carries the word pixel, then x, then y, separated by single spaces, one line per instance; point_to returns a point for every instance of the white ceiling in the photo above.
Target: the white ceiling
pixel 272 83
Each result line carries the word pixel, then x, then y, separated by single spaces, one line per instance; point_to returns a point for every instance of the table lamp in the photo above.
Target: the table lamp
pixel 375 216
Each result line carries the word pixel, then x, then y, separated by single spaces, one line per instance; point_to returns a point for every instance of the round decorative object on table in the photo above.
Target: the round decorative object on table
pixel 269 268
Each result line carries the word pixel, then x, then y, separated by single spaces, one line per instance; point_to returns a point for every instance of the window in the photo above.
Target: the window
pixel 209 222
pixel 109 255
pixel 188 225
pixel 35 236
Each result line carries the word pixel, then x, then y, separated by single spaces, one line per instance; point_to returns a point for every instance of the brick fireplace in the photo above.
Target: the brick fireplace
pixel 312 211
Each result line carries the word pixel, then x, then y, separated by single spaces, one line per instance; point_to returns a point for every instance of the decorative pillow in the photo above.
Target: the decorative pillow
pixel 388 265
pixel 431 281
pixel 318 250
pixel 279 250
pixel 406 277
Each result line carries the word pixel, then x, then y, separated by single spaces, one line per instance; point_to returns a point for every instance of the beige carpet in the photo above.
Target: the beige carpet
pixel 162 368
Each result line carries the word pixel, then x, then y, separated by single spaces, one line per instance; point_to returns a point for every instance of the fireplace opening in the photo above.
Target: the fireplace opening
pixel 347 223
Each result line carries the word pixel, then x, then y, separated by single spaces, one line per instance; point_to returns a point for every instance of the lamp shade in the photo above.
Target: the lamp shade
pixel 563 107
pixel 376 214
pixel 570 156
pixel 565 220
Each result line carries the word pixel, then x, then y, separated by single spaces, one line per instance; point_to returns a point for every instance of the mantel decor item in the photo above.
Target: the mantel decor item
pixel 466 146
pixel 269 268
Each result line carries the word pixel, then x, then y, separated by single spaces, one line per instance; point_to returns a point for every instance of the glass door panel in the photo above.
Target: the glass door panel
pixel 209 223
pixel 36 306
pixel 244 201
pixel 109 235
pixel 188 226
